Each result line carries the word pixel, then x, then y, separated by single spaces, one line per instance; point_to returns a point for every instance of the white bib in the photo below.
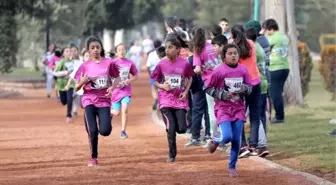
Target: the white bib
pixel 100 82
pixel 234 84
pixel 174 81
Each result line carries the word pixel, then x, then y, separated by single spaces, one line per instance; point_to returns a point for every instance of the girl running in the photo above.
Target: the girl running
pixel 172 76
pixel 51 66
pixel 95 78
pixel 77 63
pixel 248 58
pixel 228 84
pixel 205 61
pixel 62 70
pixel 121 96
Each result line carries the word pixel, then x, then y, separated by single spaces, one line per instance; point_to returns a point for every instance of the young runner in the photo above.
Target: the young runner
pixel 228 84
pixel 95 78
pixel 62 70
pixel 121 96
pixel 205 61
pixel 172 76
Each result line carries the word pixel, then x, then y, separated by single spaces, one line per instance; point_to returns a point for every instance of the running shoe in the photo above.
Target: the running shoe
pixel 68 120
pixel 277 121
pixel 123 135
pixel 170 160
pixel 233 173
pixel 212 146
pixel 75 114
pixel 263 152
pixel 193 142
pixel 244 152
pixel 253 151
pixel 93 162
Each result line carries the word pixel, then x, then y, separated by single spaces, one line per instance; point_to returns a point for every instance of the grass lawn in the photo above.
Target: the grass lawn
pixel 303 142
pixel 23 72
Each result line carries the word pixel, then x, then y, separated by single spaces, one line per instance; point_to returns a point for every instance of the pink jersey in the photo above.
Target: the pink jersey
pixel 176 74
pixel 126 67
pixel 229 78
pixel 53 61
pixel 208 60
pixel 100 75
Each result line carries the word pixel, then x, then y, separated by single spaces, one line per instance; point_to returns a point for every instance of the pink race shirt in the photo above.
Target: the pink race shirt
pixel 53 61
pixel 100 74
pixel 126 67
pixel 208 60
pixel 176 74
pixel 229 78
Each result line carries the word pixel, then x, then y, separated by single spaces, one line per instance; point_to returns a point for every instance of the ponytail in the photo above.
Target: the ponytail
pixel 198 40
pixel 241 41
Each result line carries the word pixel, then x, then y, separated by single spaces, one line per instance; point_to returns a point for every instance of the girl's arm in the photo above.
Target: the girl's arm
pixel 212 83
pixel 57 71
pixel 68 83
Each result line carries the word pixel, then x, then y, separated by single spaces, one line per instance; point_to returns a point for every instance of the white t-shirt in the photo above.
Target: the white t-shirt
pixel 147 45
pixel 77 64
pixel 152 60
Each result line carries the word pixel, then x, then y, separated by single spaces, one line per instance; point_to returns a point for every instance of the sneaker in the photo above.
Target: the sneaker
pixel 193 142
pixel 223 147
pixel 188 131
pixel 253 151
pixel 68 120
pixel 277 121
pixel 206 138
pixel 233 173
pixel 263 152
pixel 48 96
pixel 212 146
pixel 170 160
pixel 244 152
pixel 75 114
pixel 93 162
pixel 123 135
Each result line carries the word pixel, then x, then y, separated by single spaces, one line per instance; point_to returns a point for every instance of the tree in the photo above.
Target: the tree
pixel 293 91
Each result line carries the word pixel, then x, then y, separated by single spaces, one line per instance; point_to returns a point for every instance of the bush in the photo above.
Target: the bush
pixel 327 67
pixel 306 66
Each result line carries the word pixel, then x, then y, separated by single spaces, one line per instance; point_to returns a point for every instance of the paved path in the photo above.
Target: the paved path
pixel 38 147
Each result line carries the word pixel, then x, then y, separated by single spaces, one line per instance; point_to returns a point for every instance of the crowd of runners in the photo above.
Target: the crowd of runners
pixel 210 80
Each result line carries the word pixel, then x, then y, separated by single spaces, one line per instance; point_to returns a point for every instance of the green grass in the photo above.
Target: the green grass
pixel 23 72
pixel 303 141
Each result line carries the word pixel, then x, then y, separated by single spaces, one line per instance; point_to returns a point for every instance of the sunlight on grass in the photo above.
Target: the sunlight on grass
pixel 305 136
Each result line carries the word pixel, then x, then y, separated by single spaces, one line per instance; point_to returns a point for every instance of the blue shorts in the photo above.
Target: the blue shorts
pixel 117 105
pixel 152 82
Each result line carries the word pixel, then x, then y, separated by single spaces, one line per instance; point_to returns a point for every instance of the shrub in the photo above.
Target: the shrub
pixel 306 66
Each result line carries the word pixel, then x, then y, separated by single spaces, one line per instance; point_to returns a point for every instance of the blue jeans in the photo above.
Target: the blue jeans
pixel 262 142
pixel 231 131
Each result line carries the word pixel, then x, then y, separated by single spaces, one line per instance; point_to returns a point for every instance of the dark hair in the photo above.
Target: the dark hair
pixel 161 51
pixel 121 44
pixel 58 52
pixel 180 36
pixel 216 30
pixel 74 46
pixel 173 38
pixel 198 40
pixel 112 54
pixel 63 49
pixel 224 19
pixel 251 33
pixel 270 24
pixel 157 43
pixel 220 40
pixel 240 40
pixel 95 39
pixel 171 22
pixel 227 47
pixel 182 23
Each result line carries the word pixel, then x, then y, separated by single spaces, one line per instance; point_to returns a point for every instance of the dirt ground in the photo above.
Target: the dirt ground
pixel 37 147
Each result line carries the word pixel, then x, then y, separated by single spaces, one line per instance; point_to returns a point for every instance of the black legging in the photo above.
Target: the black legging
pixel 105 127
pixel 176 122
pixel 66 99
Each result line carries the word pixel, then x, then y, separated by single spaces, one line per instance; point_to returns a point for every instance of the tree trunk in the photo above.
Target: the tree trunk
pixel 275 9
pixel 293 91
pixel 261 10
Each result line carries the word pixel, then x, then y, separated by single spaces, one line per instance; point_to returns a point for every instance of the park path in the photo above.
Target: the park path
pixel 37 147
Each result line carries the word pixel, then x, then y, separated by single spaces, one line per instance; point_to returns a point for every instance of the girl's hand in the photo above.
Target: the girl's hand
pixel 67 87
pixel 198 70
pixel 165 86
pixel 183 95
pixel 84 79
pixel 109 92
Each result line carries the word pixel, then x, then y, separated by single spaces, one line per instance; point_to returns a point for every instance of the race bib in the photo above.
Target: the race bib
pixel 174 81
pixel 124 73
pixel 233 84
pixel 100 82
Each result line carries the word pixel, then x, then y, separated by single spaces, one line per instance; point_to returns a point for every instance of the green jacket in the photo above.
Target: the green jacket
pixel 61 81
